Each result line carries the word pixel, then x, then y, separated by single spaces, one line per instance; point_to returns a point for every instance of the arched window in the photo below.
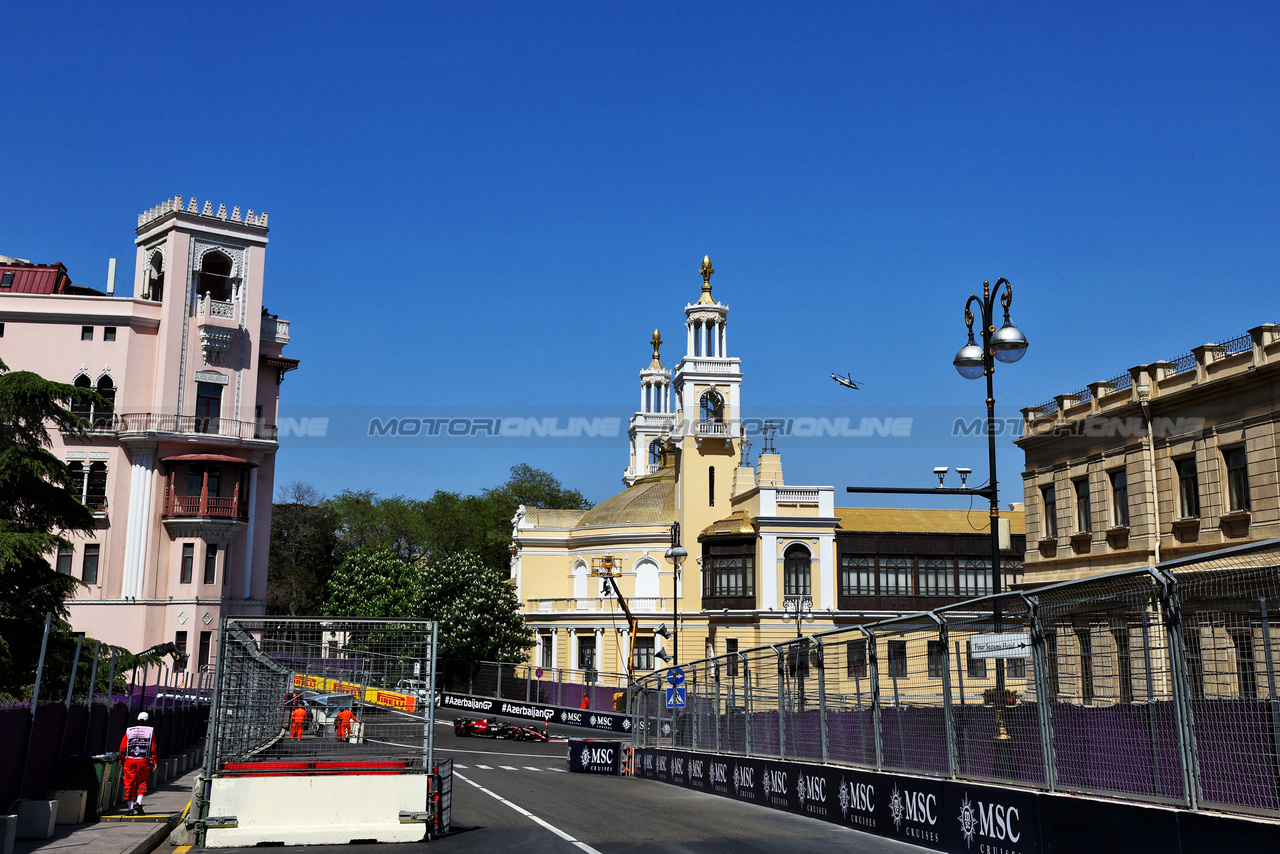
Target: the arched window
pixel 796 571
pixel 711 407
pixel 77 479
pixel 153 288
pixel 214 278
pixel 102 413
pixel 83 409
pixel 655 455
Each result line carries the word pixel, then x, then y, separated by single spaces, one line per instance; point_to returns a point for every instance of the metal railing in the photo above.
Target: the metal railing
pixel 1157 685
pixel 154 422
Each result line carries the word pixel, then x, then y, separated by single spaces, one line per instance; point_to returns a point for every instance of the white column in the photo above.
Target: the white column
pixel 599 649
pixel 573 649
pixel 555 652
pixel 624 641
pixel 768 572
pixel 826 574
pixel 724 345
pixel 138 525
pixel 688 329
pixel 713 333
pixel 248 535
pixel 642 390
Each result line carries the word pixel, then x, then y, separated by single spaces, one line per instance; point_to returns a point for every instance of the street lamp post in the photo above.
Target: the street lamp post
pixel 675 554
pixel 1006 344
pixel 800 607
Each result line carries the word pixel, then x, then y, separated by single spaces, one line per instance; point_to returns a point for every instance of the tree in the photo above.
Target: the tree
pixel 37 505
pixel 478 611
pixel 376 583
pixel 304 551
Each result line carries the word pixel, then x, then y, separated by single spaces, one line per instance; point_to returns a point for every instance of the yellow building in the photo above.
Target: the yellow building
pixel 758 549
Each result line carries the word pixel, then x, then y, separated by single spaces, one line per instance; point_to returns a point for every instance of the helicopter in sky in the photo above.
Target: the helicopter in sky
pixel 846 381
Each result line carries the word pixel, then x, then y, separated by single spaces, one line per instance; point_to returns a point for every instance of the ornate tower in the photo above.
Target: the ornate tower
pixel 652 426
pixel 706 384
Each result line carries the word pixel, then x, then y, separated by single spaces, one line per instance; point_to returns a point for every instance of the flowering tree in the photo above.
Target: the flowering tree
pixel 376 583
pixel 478 611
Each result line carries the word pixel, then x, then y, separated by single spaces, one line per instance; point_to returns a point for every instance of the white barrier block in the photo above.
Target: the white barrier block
pixel 324 810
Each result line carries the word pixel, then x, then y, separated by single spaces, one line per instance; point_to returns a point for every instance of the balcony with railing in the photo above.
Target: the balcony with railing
pixel 703 365
pixel 275 330
pixel 587 604
pixel 134 424
pixel 713 428
pixel 205 506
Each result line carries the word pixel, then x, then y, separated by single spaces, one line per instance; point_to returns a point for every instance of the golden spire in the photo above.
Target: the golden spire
pixel 656 341
pixel 706 272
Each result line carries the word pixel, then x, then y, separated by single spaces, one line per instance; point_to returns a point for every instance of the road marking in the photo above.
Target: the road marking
pixel 524 812
pixel 561 770
pixel 460 767
pixel 508 768
pixel 485 767
pixel 559 755
pixel 531 768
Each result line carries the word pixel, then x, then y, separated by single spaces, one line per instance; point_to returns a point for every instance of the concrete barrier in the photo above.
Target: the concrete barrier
pixel 8 833
pixel 36 819
pixel 182 759
pixel 71 805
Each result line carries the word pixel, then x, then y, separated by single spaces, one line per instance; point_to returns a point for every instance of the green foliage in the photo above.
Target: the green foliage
pixel 305 550
pixel 37 506
pixel 478 611
pixel 376 583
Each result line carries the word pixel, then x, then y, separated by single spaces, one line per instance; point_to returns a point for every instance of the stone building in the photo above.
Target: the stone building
pixel 1164 461
pixel 755 542
pixel 178 467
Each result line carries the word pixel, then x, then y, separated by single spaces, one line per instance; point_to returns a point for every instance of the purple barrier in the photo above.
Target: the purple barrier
pixel 1109 750
pixel 1236 743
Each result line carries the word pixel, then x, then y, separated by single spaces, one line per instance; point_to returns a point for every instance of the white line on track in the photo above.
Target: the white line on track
pixel 524 812
pixel 508 768
pixel 560 755
pixel 531 768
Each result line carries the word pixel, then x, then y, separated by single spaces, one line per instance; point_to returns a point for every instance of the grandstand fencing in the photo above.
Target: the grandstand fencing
pixel 1155 685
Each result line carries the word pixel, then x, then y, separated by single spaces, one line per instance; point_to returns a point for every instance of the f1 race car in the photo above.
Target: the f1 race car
pixel 492 728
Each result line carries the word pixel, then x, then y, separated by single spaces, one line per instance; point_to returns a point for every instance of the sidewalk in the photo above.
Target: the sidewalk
pixel 117 833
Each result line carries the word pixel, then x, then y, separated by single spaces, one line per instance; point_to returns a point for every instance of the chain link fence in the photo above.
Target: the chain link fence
pixel 324 695
pixel 1156 685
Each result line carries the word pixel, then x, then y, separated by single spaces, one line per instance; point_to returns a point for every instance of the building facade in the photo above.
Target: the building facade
pixel 1163 462
pixel 178 467
pixel 755 543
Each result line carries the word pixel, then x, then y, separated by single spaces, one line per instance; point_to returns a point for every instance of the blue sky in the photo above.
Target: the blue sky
pixel 493 205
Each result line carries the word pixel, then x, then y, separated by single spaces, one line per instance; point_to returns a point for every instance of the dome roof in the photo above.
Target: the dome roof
pixel 649 501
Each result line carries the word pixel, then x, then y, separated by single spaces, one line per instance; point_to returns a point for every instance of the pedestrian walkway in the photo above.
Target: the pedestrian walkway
pixel 117 833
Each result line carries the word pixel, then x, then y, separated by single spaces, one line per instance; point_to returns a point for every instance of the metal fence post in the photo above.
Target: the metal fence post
pixel 719 719
pixel 782 729
pixel 1271 686
pixel 948 714
pixel 822 699
pixel 877 727
pixel 1187 754
pixel 1040 675
pixel 964 746
pixel 1151 703
pixel 44 645
pixel 497 692
pixel 746 705
pixel 75 665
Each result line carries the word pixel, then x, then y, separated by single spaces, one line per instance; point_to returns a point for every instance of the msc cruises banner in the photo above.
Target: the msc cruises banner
pixel 488 706
pixel 943 815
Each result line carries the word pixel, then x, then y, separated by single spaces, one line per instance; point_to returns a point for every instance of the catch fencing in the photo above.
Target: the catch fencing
pixel 84 699
pixel 553 686
pixel 322 732
pixel 283 685
pixel 1156 685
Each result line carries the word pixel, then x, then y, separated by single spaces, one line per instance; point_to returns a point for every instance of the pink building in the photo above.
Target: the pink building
pixel 179 468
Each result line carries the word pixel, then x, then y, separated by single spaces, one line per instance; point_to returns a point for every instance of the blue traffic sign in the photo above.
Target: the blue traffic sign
pixel 675 677
pixel 675 698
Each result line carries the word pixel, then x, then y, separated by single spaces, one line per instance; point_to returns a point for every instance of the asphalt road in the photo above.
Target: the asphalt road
pixel 518 798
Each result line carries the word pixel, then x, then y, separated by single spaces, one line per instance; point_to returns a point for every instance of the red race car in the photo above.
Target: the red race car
pixel 491 728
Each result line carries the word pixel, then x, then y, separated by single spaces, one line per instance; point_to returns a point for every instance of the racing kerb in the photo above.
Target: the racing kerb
pixel 321 733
